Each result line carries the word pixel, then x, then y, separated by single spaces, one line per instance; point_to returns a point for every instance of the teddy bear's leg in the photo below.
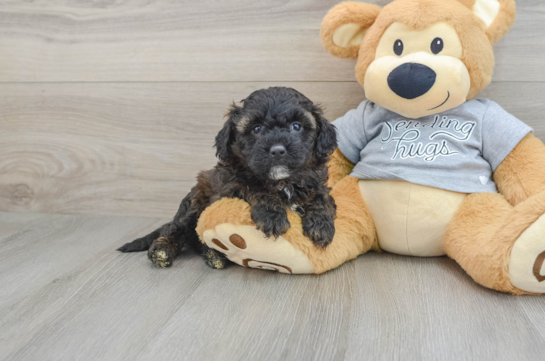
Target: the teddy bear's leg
pixel 355 231
pixel 226 226
pixel 500 246
pixel 522 172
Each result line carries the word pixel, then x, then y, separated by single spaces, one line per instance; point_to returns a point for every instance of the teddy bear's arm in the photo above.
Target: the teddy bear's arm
pixel 339 167
pixel 522 173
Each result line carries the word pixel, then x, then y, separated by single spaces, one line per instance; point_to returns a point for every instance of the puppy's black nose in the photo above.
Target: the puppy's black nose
pixel 411 80
pixel 278 150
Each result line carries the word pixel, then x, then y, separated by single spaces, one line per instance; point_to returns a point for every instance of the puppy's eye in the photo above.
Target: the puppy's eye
pixel 257 129
pixel 398 47
pixel 437 45
pixel 296 127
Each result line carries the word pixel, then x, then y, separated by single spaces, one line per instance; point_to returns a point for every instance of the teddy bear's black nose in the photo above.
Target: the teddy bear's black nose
pixel 411 80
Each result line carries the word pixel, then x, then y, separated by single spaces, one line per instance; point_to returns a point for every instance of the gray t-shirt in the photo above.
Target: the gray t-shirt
pixel 456 150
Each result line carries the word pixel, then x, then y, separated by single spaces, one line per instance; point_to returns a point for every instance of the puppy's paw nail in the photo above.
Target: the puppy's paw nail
pixel 323 243
pixel 164 264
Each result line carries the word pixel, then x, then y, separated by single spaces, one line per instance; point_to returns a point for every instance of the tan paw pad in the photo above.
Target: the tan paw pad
pixel 527 259
pixel 249 247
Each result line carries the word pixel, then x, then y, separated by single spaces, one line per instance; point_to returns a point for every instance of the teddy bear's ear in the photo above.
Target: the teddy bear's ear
pixel 344 27
pixel 497 15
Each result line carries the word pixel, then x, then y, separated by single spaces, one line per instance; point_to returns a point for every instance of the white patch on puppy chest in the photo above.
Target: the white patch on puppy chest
pixel 279 172
pixel 288 193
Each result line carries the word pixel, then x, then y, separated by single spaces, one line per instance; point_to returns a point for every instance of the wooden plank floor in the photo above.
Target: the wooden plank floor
pixel 66 294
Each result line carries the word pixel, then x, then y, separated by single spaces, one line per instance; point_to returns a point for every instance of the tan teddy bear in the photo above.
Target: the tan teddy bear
pixel 422 168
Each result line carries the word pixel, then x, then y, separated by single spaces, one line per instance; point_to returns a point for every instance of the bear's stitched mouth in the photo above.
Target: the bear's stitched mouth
pixel 448 96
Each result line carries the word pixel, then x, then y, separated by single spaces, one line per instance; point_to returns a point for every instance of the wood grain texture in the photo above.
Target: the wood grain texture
pixel 135 149
pixel 237 40
pixel 119 148
pixel 71 296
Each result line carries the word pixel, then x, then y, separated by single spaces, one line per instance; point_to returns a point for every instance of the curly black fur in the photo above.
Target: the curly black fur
pixel 272 153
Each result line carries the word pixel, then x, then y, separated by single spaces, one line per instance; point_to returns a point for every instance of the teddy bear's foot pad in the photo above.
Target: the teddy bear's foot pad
pixel 248 247
pixel 527 259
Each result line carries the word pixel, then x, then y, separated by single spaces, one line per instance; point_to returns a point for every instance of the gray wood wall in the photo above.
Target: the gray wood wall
pixel 111 107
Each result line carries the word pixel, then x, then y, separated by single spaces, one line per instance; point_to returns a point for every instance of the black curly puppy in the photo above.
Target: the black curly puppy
pixel 272 153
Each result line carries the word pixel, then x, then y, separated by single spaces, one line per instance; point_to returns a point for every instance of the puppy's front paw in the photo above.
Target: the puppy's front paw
pixel 269 220
pixel 320 228
pixel 162 252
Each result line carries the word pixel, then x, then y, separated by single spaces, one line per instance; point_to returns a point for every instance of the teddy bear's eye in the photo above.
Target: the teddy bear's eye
pixel 437 45
pixel 398 47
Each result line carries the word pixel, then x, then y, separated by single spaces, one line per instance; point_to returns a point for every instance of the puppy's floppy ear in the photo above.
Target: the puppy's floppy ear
pixel 344 27
pixel 326 139
pixel 226 135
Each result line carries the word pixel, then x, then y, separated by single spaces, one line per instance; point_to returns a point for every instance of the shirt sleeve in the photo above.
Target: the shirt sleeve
pixel 501 133
pixel 351 133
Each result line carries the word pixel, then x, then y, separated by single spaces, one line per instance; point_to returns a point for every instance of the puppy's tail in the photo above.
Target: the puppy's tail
pixel 141 244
